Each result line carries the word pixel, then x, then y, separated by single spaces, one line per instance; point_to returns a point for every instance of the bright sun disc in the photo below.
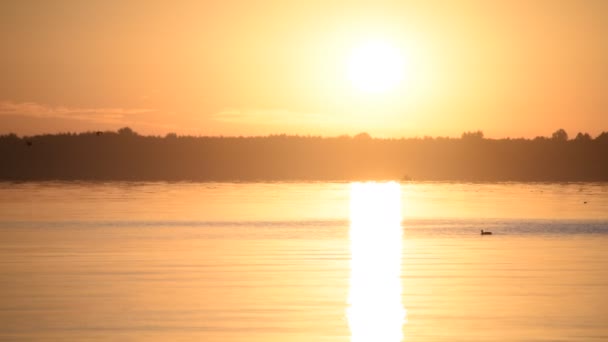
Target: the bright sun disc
pixel 375 67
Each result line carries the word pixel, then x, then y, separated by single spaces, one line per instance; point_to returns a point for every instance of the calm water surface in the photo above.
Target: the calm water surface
pixel 303 262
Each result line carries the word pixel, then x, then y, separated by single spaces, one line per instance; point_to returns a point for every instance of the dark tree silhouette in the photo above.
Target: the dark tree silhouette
pixel 583 137
pixel 363 136
pixel 603 137
pixel 127 131
pixel 560 135
pixel 125 155
pixel 476 135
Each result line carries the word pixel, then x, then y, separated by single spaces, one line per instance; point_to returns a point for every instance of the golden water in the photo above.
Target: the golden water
pixel 303 262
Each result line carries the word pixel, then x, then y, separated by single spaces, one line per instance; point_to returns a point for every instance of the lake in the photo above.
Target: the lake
pixel 124 261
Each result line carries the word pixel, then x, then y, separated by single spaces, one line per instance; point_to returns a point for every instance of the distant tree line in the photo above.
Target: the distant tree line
pixel 126 155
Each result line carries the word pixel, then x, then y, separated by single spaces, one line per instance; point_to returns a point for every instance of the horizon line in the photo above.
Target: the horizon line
pixel 475 134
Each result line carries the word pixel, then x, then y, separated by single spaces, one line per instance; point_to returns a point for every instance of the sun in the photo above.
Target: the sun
pixel 376 67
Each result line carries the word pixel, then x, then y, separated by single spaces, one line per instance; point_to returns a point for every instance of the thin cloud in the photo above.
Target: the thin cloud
pixel 269 121
pixel 33 109
pixel 269 117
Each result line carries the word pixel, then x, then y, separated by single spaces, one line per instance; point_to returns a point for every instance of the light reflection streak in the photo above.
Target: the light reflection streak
pixel 375 311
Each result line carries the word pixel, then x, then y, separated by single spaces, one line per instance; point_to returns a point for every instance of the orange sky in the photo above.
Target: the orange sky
pixel 516 68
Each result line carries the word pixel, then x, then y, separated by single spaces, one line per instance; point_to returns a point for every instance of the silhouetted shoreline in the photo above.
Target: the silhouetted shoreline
pixel 127 156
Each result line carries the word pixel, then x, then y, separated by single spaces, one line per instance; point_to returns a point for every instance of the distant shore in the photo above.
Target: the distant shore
pixel 125 155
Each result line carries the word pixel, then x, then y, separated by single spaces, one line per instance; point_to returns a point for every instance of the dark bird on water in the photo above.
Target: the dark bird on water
pixel 585 202
pixel 485 233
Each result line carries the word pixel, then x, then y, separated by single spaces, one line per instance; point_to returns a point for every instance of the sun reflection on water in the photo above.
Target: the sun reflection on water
pixel 375 311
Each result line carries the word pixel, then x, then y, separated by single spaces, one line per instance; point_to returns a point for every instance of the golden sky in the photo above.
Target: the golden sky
pixel 512 68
